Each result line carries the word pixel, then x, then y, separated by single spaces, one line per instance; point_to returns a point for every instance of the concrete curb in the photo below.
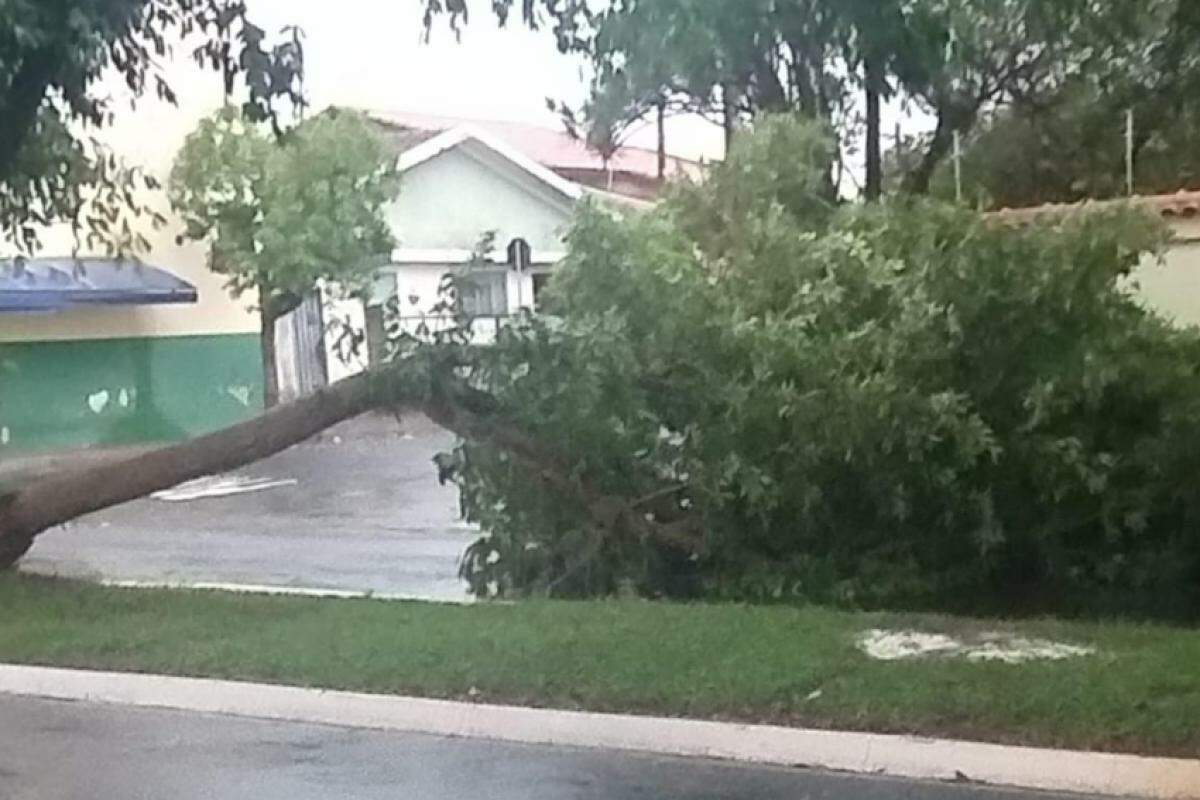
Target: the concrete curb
pixel 897 756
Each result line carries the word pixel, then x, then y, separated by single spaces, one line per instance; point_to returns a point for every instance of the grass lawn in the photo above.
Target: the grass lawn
pixel 1139 693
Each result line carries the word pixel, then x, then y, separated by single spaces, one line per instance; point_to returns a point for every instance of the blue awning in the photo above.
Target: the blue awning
pixel 55 284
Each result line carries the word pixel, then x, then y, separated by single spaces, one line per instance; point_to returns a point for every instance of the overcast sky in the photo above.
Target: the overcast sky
pixel 369 53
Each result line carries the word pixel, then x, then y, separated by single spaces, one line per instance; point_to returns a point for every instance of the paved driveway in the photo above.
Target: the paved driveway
pixel 80 751
pixel 365 513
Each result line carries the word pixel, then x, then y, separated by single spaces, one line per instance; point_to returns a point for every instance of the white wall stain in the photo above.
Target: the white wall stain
pixel 5 435
pixel 124 398
pixel 98 401
pixel 239 393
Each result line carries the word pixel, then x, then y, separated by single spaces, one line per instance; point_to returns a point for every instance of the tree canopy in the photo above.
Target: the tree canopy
pixel 53 57
pixel 897 405
pixel 1069 143
pixel 958 60
pixel 280 215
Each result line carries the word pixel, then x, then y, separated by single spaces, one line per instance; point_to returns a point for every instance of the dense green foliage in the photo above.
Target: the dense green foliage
pixel 1073 149
pixel 1068 142
pixel 902 404
pixel 282 214
pixel 62 64
pixel 956 60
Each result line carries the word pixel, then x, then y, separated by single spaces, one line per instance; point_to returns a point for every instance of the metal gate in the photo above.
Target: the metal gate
pixel 300 350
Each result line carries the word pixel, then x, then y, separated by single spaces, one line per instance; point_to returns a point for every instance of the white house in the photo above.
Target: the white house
pixel 463 180
pixel 1170 286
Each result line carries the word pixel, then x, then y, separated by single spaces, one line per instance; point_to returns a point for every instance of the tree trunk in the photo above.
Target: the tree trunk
pixel 61 497
pixel 729 115
pixel 874 143
pixel 24 96
pixel 270 366
pixel 661 118
pixel 917 182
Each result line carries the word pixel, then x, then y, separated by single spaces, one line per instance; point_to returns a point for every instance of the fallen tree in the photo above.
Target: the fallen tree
pixel 56 499
pixel 45 502
pixel 900 406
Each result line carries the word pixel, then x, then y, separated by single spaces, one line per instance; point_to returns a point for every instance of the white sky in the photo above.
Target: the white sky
pixel 369 53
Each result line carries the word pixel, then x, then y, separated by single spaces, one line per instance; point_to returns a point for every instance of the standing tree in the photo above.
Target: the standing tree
pixel 1068 143
pixel 279 216
pixel 53 56
pixel 956 59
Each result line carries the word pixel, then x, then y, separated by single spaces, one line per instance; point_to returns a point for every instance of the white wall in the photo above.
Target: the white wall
pixel 1173 287
pixel 450 201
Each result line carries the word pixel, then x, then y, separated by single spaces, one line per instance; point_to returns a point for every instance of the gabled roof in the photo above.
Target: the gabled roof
pixel 551 148
pixel 432 147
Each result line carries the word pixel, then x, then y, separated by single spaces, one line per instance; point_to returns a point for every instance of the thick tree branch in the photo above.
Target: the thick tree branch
pixel 22 100
pixel 611 515
pixel 917 182
pixel 60 498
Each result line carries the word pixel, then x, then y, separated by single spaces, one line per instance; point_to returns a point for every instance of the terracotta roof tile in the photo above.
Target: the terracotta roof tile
pixel 551 148
pixel 1184 204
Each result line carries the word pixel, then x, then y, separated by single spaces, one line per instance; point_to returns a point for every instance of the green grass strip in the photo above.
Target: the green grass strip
pixel 1139 693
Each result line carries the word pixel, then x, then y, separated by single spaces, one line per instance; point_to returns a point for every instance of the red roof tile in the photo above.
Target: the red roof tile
pixel 1184 204
pixel 554 149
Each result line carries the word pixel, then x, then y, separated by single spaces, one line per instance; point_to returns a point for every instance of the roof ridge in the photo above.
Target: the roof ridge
pixel 1183 203
pixel 392 118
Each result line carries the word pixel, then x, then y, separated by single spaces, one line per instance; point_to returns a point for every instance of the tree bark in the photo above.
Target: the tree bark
pixel 661 119
pixel 874 143
pixel 60 498
pixel 917 182
pixel 728 115
pixel 270 365
pixel 25 95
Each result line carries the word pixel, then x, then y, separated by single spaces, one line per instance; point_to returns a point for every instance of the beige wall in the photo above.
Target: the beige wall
pixel 148 137
pixel 1173 286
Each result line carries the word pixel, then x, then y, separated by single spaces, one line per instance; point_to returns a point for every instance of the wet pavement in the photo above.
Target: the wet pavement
pixel 365 513
pixel 82 751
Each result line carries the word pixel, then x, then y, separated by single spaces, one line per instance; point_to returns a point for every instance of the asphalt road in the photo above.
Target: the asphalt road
pixel 366 514
pixel 79 751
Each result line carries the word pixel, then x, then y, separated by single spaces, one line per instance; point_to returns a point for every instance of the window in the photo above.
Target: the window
pixel 385 287
pixel 484 293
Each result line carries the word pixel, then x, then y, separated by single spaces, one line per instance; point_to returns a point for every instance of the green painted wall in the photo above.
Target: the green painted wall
pixel 57 395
